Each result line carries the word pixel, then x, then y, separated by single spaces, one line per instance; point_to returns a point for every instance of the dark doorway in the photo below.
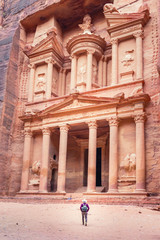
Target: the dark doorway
pixel 98 167
pixel 53 180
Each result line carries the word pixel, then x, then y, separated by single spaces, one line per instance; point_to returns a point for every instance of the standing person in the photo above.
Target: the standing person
pixel 84 209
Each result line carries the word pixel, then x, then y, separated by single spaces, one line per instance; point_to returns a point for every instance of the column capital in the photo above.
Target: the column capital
pixel 28 132
pixel 73 55
pixel 139 34
pixel 64 128
pixel 32 65
pixel 114 41
pixel 90 51
pixel 46 131
pixel 140 118
pixel 50 60
pixel 113 121
pixel 92 124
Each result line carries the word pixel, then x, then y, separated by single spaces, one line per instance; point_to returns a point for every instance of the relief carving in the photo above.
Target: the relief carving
pixel 35 173
pixel 95 73
pixel 41 83
pixel 82 74
pixel 128 58
pixel 128 165
pixel 36 168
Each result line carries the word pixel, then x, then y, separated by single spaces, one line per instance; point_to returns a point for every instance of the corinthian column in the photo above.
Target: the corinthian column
pixel 89 69
pixel 31 82
pixel 140 153
pixel 139 54
pixel 26 159
pixel 73 72
pixel 114 61
pixel 62 159
pixel 113 155
pixel 91 185
pixel 50 63
pixel 45 160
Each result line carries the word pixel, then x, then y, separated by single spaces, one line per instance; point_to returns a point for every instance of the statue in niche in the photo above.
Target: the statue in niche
pixel 36 168
pixel 82 74
pixel 128 165
pixel 54 85
pixel 86 26
pixel 95 70
pixel 128 58
pixel 41 83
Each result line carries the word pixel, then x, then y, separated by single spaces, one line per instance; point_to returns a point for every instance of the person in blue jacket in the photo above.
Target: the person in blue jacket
pixel 84 209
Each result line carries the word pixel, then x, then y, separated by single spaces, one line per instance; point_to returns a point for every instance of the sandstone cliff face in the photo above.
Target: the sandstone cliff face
pixel 13 96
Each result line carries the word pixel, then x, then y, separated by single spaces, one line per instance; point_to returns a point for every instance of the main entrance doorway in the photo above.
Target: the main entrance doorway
pixel 98 167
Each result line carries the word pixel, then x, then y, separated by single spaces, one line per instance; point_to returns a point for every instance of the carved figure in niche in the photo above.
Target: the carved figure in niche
pixel 54 85
pixel 95 71
pixel 110 8
pixel 128 59
pixel 82 74
pixel 41 83
pixel 128 165
pixel 86 26
pixel 36 166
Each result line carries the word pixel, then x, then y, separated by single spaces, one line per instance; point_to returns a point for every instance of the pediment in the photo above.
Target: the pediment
pixel 76 102
pixel 49 44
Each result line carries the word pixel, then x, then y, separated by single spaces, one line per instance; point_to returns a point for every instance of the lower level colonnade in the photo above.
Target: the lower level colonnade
pixel 113 156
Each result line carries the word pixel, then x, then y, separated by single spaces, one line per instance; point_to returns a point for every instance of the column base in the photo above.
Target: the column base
pixel 140 190
pixel 61 192
pixel 112 191
pixel 43 191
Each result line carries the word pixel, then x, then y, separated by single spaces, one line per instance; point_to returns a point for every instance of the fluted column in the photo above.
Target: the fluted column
pixel 50 63
pixel 45 160
pixel 91 185
pixel 140 153
pixel 105 72
pixel 26 159
pixel 73 72
pixel 62 159
pixel 100 72
pixel 114 61
pixel 63 82
pixel 113 155
pixel 139 54
pixel 31 82
pixel 89 69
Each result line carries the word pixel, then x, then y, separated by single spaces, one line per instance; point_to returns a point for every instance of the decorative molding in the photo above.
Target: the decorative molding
pixel 114 41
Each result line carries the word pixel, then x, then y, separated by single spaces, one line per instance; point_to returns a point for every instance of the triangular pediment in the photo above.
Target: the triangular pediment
pixel 77 102
pixel 49 44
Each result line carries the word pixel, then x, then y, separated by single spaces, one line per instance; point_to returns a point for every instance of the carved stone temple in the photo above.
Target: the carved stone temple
pixel 85 87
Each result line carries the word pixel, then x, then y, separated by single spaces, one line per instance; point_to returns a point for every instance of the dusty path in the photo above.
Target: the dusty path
pixel 19 221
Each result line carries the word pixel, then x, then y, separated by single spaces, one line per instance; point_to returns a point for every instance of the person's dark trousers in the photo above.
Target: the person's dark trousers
pixel 84 217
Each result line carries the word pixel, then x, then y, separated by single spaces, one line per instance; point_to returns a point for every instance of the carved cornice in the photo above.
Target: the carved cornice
pixel 113 121
pixel 140 118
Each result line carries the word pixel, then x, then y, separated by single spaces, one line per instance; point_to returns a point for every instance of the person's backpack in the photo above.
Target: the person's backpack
pixel 84 208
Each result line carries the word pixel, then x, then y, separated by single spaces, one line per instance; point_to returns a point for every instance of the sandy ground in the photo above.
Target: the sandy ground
pixel 19 221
